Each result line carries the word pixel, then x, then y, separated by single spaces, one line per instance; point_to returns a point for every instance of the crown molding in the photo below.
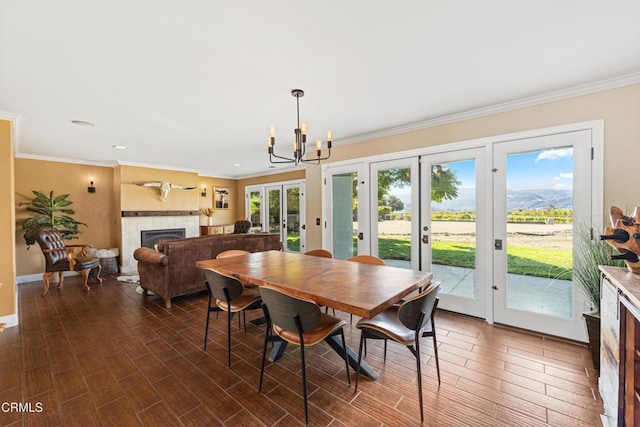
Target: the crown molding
pixel 108 164
pixel 558 95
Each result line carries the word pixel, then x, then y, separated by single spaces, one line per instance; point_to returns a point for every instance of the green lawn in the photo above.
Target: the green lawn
pixel 527 261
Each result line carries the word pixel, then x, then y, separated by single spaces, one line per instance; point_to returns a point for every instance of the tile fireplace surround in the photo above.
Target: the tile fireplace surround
pixel 133 225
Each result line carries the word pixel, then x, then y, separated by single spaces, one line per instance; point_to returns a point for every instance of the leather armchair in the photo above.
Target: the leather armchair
pixel 60 257
pixel 241 226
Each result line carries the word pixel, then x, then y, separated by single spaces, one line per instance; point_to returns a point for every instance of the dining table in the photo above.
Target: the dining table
pixel 364 290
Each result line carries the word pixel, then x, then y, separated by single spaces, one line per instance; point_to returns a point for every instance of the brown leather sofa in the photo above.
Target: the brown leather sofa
pixel 170 271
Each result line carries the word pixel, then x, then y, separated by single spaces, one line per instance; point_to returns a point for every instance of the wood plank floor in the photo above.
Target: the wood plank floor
pixel 112 357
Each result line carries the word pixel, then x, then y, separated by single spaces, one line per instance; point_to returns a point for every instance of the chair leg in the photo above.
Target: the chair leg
pixel 206 328
pixel 346 358
pixel 85 278
pixel 229 315
pixel 385 350
pixel 419 371
pixel 244 320
pixel 435 349
pixel 98 278
pixel 264 356
pixel 45 280
pixel 359 360
pixel 304 386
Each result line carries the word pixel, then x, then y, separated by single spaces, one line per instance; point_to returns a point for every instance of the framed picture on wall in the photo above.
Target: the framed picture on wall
pixel 221 197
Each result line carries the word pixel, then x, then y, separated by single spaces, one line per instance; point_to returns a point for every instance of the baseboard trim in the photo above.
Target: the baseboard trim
pixel 28 278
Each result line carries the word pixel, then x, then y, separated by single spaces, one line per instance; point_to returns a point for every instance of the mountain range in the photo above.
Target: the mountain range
pixel 516 200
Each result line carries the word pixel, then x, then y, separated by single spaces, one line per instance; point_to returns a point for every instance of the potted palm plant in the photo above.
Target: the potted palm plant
pixel 590 253
pixel 50 211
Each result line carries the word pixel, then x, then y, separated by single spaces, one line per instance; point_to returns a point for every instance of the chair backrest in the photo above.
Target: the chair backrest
pixel 283 307
pixel 218 282
pixel 367 259
pixel 411 311
pixel 231 253
pixel 242 226
pixel 50 238
pixel 319 252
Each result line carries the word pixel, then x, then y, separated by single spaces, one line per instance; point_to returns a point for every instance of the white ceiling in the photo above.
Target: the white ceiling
pixel 195 84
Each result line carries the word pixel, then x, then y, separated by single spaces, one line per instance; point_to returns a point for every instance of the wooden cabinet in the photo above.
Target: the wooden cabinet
pixel 206 230
pixel 619 382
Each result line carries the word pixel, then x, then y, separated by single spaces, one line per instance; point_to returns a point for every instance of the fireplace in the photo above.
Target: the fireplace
pixel 149 238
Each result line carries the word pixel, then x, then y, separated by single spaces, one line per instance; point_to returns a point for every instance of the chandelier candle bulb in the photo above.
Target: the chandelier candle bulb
pixel 299 145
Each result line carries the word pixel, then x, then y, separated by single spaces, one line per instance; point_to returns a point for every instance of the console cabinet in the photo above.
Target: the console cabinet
pixel 207 230
pixel 619 382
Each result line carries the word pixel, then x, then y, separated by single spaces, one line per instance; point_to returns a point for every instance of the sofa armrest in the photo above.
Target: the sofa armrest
pixel 151 256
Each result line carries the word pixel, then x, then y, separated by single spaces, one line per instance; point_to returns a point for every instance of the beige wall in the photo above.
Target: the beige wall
pixel 136 198
pixel 7 223
pixel 94 209
pixel 220 216
pixel 620 109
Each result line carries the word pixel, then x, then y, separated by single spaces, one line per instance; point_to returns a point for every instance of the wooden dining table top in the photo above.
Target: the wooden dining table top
pixel 361 289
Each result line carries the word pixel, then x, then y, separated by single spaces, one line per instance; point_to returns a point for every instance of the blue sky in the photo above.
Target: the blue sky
pixel 549 169
pixel 552 169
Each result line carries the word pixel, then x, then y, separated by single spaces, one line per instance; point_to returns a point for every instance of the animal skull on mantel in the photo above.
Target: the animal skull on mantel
pixel 164 187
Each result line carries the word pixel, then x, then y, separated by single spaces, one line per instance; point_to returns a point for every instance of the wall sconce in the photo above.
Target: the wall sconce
pixel 204 191
pixel 91 188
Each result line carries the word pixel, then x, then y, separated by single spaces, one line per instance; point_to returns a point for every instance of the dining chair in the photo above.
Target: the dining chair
pixel 319 252
pixel 214 307
pixel 230 296
pixel 367 259
pixel 297 321
pixel 405 324
pixel 231 253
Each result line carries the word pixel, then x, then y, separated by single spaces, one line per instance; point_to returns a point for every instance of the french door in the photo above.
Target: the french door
pixel 454 226
pixel 394 212
pixel 346 232
pixel 495 220
pixel 279 209
pixel 542 195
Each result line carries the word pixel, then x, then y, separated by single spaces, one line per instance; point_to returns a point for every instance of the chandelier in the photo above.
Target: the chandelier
pixel 299 144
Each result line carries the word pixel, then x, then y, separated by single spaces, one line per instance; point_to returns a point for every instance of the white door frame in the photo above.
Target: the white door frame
pixel 374 167
pixel 596 127
pixel 363 219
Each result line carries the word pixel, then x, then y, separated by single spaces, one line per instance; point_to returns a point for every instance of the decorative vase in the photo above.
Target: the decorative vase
pixel 593 330
pixel 209 220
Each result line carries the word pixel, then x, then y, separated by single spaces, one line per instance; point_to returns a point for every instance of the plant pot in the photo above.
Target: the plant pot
pixel 593 331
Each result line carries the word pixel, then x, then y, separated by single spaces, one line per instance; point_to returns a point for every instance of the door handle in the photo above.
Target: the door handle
pixel 360 236
pixel 497 244
pixel 425 239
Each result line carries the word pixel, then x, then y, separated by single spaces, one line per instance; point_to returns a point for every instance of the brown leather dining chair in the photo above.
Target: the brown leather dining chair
pixel 60 257
pixel 405 324
pixel 231 296
pixel 297 321
pixel 242 226
pixel 319 252
pixel 367 259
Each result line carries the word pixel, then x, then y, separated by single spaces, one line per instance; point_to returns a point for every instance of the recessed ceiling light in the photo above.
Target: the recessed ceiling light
pixel 119 147
pixel 83 123
pixel 236 164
